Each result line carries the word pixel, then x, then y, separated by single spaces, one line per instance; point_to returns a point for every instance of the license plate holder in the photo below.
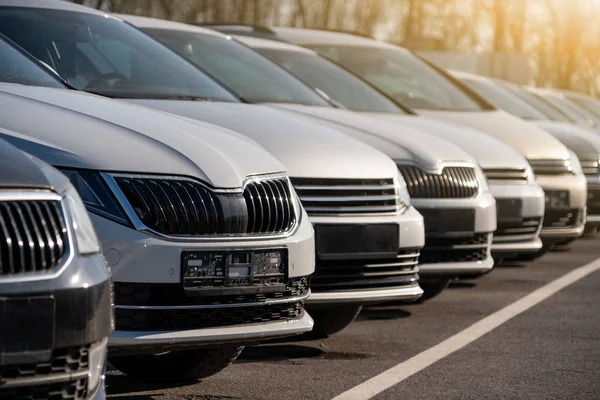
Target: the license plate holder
pixel 357 241
pixel 444 221
pixel 31 334
pixel 219 273
pixel 509 210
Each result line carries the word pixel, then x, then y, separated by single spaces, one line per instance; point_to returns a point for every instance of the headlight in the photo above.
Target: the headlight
pixel 96 195
pixel 530 174
pixel 97 364
pixel 482 179
pixel 84 232
pixel 575 164
pixel 403 190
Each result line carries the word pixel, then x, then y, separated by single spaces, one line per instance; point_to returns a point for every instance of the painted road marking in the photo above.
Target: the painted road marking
pixel 406 369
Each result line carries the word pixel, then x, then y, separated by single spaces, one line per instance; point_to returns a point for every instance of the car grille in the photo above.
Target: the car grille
pixel 184 207
pixel 506 174
pixel 140 295
pixel 557 218
pixel 347 196
pixel 364 274
pixel 551 167
pixel 453 182
pixel 177 318
pixel 33 236
pixel 528 226
pixel 593 200
pixel 167 294
pixel 67 371
pixel 452 249
pixel 590 168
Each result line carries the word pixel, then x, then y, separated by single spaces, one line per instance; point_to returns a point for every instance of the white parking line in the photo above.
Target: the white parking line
pixel 406 369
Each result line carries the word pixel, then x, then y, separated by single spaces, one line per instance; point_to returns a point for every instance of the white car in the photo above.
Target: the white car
pixel 198 270
pixel 583 142
pixel 426 87
pixel 436 171
pixel 368 236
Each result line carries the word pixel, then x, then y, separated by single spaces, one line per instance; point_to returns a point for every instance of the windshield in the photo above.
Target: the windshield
pixel 339 84
pixel 504 99
pixel 540 104
pixel 402 76
pixel 248 73
pixel 573 110
pixel 17 68
pixel 593 106
pixel 106 56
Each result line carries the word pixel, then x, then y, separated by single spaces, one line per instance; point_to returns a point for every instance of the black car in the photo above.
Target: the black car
pixel 55 289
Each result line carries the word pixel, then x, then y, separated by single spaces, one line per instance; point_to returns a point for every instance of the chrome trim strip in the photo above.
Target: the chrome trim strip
pixel 344 187
pixel 216 306
pixel 69 253
pixel 243 333
pixel 140 226
pixel 404 293
pixel 326 199
pixel 46 380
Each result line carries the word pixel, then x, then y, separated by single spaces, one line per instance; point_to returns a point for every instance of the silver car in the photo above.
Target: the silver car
pixel 583 142
pixel 426 87
pixel 432 167
pixel 360 208
pixel 175 204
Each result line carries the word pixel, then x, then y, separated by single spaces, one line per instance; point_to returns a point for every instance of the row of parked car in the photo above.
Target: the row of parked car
pixel 247 183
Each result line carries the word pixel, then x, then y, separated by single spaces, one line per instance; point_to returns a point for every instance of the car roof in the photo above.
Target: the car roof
pixel 253 41
pixel 52 5
pixel 467 75
pixel 306 37
pixel 156 23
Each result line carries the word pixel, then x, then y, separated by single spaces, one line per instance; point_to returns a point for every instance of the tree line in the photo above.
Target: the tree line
pixel 561 37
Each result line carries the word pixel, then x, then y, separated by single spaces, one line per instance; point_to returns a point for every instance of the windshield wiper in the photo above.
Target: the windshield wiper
pixel 146 96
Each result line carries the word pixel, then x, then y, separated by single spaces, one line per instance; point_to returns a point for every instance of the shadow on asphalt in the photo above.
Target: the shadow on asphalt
pixel 289 352
pixel 383 313
pixel 119 384
pixel 462 285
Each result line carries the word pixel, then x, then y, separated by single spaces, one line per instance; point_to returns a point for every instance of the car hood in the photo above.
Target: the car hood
pixel 401 144
pixel 584 143
pixel 308 149
pixel 488 151
pixel 19 170
pixel 77 130
pixel 529 140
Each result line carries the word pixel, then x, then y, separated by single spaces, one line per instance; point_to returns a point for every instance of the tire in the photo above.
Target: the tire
pixel 565 242
pixel 333 320
pixel 432 288
pixel 177 365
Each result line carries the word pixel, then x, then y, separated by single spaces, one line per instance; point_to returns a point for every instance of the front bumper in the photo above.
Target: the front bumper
pixel 152 309
pixel 134 342
pixel 351 280
pixel 518 234
pixel 593 202
pixel 464 250
pixel 567 221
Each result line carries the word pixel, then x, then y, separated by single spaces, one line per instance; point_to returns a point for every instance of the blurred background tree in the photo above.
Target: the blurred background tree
pixel 561 38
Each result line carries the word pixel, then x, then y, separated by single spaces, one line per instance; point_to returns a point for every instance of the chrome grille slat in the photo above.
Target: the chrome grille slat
pixel 33 236
pixel 506 174
pixel 551 167
pixel 347 196
pixel 453 182
pixel 590 168
pixel 182 207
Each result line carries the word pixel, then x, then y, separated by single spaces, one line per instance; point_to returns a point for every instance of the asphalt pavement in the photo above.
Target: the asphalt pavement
pixel 550 351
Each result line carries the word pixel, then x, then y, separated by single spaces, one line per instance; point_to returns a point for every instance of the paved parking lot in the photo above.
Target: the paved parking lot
pixel 551 350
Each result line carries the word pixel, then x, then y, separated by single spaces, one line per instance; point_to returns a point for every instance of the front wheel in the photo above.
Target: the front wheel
pixel 177 365
pixel 432 288
pixel 333 320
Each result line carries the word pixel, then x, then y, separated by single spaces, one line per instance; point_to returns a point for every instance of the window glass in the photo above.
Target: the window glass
pixel 106 56
pixel 402 76
pixel 251 75
pixel 553 113
pixel 591 105
pixel 572 110
pixel 504 99
pixel 340 85
pixel 17 68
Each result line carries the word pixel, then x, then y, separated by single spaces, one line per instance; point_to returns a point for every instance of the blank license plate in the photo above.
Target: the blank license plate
pixel 356 240
pixel 28 325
